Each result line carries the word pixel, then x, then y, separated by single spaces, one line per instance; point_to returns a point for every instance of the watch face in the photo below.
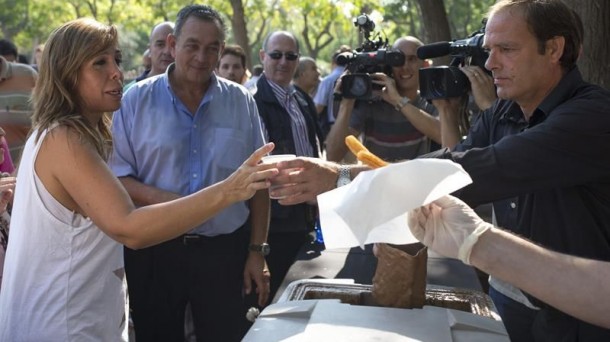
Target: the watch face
pixel 265 249
pixel 343 181
pixel 344 177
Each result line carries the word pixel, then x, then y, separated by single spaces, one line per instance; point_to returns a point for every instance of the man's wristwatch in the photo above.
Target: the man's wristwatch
pixel 263 248
pixel 403 102
pixel 344 176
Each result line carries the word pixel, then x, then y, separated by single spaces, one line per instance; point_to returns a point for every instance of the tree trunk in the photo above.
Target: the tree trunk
pixel 240 31
pixel 434 18
pixel 593 63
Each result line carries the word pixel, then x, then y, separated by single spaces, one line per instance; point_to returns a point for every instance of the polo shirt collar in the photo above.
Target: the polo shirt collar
pixel 564 89
pixel 562 92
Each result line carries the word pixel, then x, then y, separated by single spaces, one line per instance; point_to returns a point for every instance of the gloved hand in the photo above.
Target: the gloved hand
pixel 448 226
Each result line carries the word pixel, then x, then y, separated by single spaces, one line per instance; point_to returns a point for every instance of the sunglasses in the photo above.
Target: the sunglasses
pixel 290 56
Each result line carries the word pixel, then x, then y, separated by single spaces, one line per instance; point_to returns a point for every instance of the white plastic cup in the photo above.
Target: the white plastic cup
pixel 272 159
pixel 276 158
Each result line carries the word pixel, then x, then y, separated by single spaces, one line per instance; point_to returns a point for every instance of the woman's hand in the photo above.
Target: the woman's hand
pixel 7 188
pixel 250 177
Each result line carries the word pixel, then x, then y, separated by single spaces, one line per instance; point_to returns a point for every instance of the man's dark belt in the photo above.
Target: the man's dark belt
pixel 198 239
pixel 192 239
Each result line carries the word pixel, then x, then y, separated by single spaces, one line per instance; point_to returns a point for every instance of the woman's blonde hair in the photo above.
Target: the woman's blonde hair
pixel 55 97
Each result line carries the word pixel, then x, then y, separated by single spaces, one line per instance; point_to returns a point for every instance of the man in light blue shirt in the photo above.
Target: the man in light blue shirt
pixel 161 144
pixel 324 98
pixel 174 134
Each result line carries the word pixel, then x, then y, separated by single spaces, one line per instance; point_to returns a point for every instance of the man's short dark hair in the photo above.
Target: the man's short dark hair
pixel 547 19
pixel 340 50
pixel 23 59
pixel 203 12
pixel 7 48
pixel 257 70
pixel 235 50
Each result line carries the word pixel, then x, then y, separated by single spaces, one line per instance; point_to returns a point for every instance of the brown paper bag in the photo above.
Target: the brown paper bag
pixel 400 277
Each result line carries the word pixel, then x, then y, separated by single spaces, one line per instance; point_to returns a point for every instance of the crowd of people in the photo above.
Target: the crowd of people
pixel 148 201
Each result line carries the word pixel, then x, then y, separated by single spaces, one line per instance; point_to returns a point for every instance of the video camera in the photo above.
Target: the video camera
pixel 371 57
pixel 449 81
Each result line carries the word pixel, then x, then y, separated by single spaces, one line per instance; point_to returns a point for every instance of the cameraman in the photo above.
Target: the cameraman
pixel 452 110
pixel 397 128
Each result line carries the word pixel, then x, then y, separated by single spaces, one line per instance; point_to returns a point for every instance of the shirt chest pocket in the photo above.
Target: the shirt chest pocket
pixel 230 148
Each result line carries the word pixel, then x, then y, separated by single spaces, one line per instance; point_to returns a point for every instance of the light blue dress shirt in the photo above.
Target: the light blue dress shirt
pixel 326 90
pixel 158 142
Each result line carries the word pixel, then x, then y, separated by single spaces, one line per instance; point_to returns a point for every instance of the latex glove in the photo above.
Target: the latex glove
pixel 448 226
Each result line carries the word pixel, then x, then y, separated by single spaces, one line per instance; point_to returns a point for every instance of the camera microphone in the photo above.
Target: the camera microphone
pixel 434 50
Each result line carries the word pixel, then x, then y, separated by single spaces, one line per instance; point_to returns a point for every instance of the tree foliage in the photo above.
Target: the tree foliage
pixel 14 20
pixel 320 25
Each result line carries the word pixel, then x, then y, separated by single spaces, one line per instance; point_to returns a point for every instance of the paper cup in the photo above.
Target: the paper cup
pixel 276 158
pixel 272 159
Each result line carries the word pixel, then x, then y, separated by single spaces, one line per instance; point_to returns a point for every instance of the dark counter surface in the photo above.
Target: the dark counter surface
pixel 315 262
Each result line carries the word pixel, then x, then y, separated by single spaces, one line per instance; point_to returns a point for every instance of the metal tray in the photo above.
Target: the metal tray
pixel 466 300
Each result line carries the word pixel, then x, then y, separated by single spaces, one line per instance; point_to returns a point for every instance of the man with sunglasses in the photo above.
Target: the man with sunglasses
pixel 289 116
pixel 159 53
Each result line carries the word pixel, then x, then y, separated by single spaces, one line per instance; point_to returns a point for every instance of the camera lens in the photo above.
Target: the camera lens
pixel 359 87
pixel 356 86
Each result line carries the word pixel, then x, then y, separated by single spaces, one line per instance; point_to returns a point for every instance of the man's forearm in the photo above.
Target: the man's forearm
pixel 259 217
pixel 142 194
pixel 573 285
pixel 450 130
pixel 423 122
pixel 335 141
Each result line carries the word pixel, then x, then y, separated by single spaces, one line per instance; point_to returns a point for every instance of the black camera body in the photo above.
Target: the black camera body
pixel 371 57
pixel 449 81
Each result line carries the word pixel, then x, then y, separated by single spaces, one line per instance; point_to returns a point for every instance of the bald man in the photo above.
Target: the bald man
pixel 307 76
pixel 398 124
pixel 160 55
pixel 289 117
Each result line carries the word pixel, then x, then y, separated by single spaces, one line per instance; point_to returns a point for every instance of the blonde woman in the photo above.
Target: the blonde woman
pixel 64 276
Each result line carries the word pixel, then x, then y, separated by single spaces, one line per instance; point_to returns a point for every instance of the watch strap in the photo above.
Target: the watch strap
pixel 345 176
pixel 262 248
pixel 403 102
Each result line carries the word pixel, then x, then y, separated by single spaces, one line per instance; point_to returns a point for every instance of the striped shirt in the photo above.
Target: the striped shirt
pixel 387 132
pixel 286 97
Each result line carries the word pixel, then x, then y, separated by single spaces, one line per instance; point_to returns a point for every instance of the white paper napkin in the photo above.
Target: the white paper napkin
pixel 373 207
